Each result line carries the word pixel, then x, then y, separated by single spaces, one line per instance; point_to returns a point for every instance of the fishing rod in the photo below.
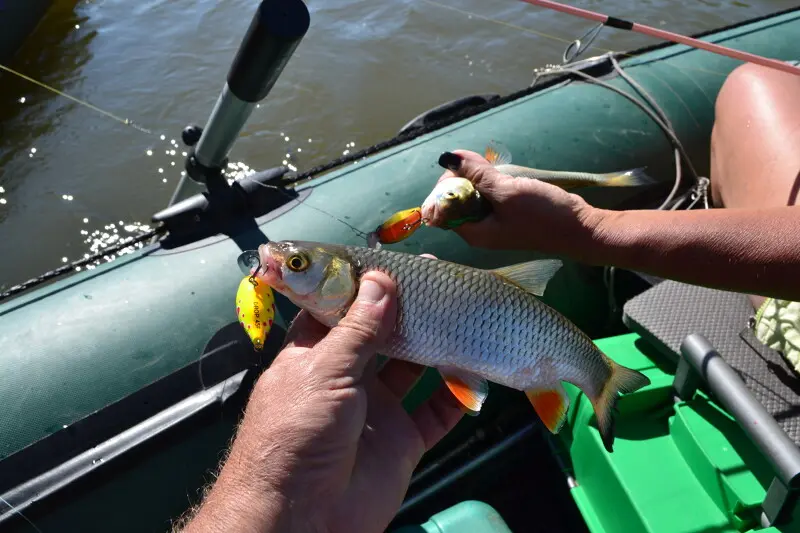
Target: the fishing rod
pixel 622 24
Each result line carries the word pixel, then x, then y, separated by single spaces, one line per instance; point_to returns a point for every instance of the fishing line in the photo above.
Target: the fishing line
pixel 125 121
pixel 580 46
pixel 594 31
pixel 500 22
pixel 16 511
pixel 354 229
pixel 129 122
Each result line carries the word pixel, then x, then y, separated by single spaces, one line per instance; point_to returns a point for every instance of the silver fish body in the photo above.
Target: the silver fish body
pixel 453 315
pixel 471 324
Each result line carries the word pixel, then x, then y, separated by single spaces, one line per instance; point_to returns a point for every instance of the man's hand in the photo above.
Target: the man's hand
pixel 527 214
pixel 325 444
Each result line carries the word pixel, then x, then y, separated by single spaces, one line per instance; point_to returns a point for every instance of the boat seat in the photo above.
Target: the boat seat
pixel 667 313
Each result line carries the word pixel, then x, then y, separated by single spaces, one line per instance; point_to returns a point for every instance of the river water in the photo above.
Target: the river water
pixel 73 178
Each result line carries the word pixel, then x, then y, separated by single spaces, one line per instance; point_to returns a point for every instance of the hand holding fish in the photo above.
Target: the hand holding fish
pixel 323 428
pixel 525 213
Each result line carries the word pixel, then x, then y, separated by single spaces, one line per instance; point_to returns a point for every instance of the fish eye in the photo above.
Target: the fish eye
pixel 297 263
pixel 450 194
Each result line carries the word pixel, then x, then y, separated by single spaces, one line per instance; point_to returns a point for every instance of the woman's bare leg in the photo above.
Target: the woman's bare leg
pixel 755 142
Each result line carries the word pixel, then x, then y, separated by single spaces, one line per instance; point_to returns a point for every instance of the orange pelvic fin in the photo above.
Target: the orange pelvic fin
pixel 551 404
pixel 469 389
pixel 399 226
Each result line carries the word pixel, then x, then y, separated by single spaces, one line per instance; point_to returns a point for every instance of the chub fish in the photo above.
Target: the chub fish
pixel 471 324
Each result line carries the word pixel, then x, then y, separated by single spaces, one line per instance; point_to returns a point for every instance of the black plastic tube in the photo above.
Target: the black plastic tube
pixel 274 33
pixel 754 419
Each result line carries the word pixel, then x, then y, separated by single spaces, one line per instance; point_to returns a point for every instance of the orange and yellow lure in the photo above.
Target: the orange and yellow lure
pixel 397 227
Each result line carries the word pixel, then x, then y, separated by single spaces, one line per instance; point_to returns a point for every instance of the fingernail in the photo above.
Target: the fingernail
pixel 371 292
pixel 450 161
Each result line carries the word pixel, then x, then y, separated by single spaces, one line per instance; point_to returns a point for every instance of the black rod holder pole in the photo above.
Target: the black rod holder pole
pixel 276 30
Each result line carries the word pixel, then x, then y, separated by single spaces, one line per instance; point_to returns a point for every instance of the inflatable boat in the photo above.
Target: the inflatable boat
pixel 121 386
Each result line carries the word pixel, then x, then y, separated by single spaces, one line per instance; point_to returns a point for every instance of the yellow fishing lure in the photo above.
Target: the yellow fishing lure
pixel 255 309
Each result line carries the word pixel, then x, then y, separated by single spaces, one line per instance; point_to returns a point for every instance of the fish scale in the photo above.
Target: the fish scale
pixel 523 339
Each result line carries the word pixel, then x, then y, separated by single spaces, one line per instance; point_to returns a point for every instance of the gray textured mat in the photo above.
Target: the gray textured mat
pixel 667 313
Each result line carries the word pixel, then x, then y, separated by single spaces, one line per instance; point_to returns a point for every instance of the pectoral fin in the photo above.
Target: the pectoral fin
pixel 497 154
pixel 551 403
pixel 532 276
pixel 469 389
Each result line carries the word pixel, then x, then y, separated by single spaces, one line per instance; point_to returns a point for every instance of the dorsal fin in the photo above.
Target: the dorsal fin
pixel 497 154
pixel 532 276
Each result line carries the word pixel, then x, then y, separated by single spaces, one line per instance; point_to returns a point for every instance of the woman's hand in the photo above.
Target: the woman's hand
pixel 325 443
pixel 526 213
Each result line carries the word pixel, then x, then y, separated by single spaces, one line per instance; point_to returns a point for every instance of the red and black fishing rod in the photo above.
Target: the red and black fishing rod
pixel 622 24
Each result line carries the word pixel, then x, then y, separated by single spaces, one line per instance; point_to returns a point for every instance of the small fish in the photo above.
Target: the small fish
pixel 500 157
pixel 473 325
pixel 453 202
pixel 396 228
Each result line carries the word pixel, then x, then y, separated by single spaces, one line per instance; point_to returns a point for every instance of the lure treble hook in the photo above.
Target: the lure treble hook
pixel 250 263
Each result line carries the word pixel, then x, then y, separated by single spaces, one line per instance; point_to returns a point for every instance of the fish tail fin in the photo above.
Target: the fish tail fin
pixel 629 178
pixel 621 380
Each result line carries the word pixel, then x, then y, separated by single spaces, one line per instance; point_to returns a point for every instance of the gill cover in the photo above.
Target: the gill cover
pixel 323 283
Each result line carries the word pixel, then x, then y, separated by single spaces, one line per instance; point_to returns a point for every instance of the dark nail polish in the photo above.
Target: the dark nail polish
pixel 450 161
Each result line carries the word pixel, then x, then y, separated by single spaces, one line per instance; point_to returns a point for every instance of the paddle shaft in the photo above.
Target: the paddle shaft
pixel 667 35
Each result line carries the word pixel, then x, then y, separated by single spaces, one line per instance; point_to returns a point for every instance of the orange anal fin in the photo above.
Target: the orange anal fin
pixel 469 389
pixel 399 226
pixel 551 404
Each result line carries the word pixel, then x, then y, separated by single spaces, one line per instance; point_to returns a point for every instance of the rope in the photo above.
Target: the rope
pixel 658 115
pixel 47 276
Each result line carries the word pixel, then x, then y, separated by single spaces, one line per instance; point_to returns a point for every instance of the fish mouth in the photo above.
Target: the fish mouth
pixel 430 212
pixel 270 269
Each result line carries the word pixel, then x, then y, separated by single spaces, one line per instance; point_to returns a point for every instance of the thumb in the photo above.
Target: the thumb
pixel 369 322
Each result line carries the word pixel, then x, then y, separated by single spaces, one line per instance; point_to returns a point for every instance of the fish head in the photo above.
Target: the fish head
pixel 448 201
pixel 313 276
